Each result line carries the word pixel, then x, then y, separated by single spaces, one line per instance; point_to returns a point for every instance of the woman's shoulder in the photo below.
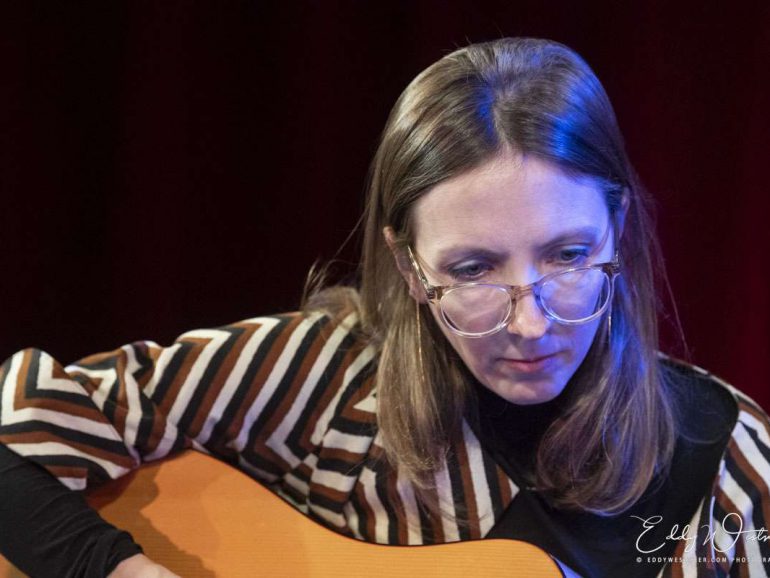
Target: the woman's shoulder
pixel 708 403
pixel 311 337
pixel 306 330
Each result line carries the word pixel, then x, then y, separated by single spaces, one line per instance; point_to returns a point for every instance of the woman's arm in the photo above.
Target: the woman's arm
pixel 46 528
pixel 221 389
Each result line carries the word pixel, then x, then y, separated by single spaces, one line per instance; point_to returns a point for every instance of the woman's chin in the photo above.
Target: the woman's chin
pixel 526 393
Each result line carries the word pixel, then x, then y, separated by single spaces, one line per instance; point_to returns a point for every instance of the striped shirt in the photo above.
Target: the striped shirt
pixel 291 400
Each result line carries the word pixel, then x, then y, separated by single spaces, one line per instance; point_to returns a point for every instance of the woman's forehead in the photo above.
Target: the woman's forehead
pixel 510 205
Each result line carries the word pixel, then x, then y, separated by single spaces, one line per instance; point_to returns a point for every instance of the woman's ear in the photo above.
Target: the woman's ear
pixel 416 290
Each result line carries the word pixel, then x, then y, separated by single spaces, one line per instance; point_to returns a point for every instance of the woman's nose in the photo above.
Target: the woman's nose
pixel 527 319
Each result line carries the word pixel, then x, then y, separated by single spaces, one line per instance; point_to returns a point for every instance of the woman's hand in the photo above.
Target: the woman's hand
pixel 140 566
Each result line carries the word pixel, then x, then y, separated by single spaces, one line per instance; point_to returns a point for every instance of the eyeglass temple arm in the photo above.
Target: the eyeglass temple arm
pixel 616 241
pixel 430 291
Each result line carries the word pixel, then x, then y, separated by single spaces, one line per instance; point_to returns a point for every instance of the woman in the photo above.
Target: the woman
pixel 496 374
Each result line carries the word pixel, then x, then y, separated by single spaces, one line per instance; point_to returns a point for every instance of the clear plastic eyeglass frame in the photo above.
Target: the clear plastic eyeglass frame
pixel 435 293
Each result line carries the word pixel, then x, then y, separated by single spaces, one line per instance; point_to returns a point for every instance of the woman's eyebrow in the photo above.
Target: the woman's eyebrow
pixel 468 252
pixel 588 233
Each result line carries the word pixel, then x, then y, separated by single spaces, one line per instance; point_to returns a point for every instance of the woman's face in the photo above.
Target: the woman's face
pixel 511 221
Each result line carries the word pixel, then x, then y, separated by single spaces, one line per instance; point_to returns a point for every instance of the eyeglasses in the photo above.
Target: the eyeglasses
pixel 572 297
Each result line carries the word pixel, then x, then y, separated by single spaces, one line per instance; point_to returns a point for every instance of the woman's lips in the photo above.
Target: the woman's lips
pixel 531 365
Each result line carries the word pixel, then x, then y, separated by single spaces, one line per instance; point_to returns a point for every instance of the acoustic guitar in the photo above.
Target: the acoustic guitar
pixel 202 518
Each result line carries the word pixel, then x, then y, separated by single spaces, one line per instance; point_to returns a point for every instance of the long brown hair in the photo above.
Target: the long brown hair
pixel 539 98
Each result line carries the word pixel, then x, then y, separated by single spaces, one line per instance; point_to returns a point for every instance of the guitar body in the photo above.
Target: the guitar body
pixel 202 518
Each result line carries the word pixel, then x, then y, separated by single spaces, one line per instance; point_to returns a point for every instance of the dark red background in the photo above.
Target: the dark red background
pixel 169 165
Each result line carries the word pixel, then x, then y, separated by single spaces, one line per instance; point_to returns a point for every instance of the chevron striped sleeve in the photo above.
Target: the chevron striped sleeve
pixel 729 535
pixel 289 399
pixel 254 393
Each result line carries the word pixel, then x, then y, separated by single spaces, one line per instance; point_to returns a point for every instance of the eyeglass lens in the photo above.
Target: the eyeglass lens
pixel 571 296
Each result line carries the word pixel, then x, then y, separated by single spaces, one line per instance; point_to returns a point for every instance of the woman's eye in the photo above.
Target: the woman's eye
pixel 468 272
pixel 571 256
